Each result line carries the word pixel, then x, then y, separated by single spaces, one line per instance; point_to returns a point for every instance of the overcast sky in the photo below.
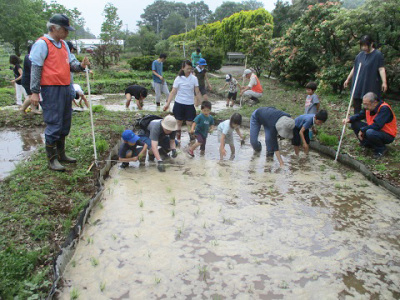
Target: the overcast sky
pixel 129 11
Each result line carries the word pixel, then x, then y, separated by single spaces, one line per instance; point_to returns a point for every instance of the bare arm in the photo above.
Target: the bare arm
pixel 154 148
pixel 382 73
pixel 193 127
pixel 138 104
pixel 303 140
pixel 224 86
pixel 346 83
pixel 158 75
pixel 171 96
pixel 199 97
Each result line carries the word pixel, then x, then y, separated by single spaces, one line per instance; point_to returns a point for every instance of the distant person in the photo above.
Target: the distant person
pixel 254 89
pixel 137 91
pixel 131 149
pixel 225 134
pixel 201 73
pixel 51 77
pixel 184 88
pixel 26 82
pixel 202 124
pixel 19 89
pixel 232 91
pixel 372 77
pixel 160 85
pixel 302 126
pixel 161 133
pixel 196 55
pixel 79 95
pixel 275 122
pixel 381 126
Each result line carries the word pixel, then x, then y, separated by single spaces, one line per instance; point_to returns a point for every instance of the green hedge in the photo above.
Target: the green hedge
pixel 214 58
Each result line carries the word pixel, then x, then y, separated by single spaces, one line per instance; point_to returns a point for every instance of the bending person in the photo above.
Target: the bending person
pixel 275 122
pixel 381 126
pixel 137 91
pixel 161 133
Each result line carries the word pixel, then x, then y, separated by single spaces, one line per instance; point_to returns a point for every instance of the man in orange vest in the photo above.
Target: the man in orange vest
pixel 381 126
pixel 254 89
pixel 51 69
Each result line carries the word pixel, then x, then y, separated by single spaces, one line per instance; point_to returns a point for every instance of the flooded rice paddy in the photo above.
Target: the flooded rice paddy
pixel 240 229
pixel 16 145
pixel 116 102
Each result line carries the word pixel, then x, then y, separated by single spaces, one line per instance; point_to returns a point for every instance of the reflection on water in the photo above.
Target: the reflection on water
pixel 116 102
pixel 241 229
pixel 16 145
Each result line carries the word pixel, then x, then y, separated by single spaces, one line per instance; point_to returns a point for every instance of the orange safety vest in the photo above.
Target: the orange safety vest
pixel 56 69
pixel 257 88
pixel 389 128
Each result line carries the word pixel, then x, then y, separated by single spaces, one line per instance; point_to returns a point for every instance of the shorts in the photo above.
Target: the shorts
pixel 202 89
pixel 76 95
pixel 296 141
pixel 202 140
pixel 228 138
pixel 232 96
pixel 184 112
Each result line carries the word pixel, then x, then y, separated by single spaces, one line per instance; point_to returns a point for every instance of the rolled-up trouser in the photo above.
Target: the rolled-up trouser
pixel 57 111
pixel 160 88
pixel 372 138
pixel 250 93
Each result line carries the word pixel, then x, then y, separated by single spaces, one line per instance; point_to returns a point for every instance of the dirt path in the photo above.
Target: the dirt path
pixel 241 229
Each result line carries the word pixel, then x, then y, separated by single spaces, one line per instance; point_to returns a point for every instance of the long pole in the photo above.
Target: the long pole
pixel 245 67
pixel 348 111
pixel 91 114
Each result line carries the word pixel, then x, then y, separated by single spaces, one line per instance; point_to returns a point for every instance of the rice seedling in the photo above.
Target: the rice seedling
pixel 141 218
pixel 149 254
pixel 115 181
pixel 338 186
pixel 102 286
pixel 137 234
pixel 94 261
pixel 284 285
pixel 203 272
pixel 215 243
pixel 101 205
pixel 322 168
pixel 169 189
pixel 114 236
pixel 74 294
pixel 204 225
pixel 332 177
pixel 173 201
pixel 180 230
pixel 157 280
pixel 141 204
pixel 173 213
pixel 89 241
pixel 73 263
pixel 349 174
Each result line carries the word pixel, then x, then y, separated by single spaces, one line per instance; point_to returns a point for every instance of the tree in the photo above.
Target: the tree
pixel 284 17
pixel 111 27
pixel 199 13
pixel 174 24
pixel 252 4
pixel 147 40
pixel 18 26
pixel 226 9
pixel 351 4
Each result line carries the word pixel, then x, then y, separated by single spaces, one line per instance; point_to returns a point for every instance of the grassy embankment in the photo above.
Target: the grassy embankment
pixel 38 207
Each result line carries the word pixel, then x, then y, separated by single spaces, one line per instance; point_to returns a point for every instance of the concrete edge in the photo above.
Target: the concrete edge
pixel 68 247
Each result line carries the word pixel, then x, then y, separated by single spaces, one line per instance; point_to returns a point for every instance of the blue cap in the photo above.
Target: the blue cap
pixel 129 136
pixel 202 62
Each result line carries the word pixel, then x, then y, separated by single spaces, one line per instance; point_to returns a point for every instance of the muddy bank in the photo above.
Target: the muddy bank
pixel 241 228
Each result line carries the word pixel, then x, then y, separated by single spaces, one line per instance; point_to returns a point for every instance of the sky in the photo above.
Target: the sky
pixel 129 11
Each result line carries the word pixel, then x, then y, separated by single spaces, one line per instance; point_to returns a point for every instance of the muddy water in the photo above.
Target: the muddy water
pixel 16 145
pixel 116 102
pixel 241 229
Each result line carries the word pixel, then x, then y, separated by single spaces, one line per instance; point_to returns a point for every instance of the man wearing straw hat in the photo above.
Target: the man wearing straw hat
pixel 161 133
pixel 381 126
pixel 52 64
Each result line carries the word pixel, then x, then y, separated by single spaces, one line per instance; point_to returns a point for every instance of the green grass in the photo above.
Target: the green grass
pixel 31 211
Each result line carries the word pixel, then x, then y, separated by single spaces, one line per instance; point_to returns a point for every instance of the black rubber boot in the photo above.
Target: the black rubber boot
pixel 61 151
pixel 54 164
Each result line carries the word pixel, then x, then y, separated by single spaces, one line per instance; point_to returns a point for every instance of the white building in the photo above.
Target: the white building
pixel 92 43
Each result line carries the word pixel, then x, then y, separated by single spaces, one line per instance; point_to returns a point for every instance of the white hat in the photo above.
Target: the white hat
pixel 169 123
pixel 285 126
pixel 246 72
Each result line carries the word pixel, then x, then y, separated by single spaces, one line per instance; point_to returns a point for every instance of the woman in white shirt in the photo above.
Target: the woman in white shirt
pixel 183 89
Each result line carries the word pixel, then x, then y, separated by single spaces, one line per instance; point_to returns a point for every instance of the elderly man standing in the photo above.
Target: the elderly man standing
pixel 254 90
pixel 51 77
pixel 381 126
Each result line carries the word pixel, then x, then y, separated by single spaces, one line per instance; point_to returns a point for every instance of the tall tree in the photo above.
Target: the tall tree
pixel 111 27
pixel 284 17
pixel 351 4
pixel 226 9
pixel 199 13
pixel 155 13
pixel 21 21
pixel 173 24
pixel 252 4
